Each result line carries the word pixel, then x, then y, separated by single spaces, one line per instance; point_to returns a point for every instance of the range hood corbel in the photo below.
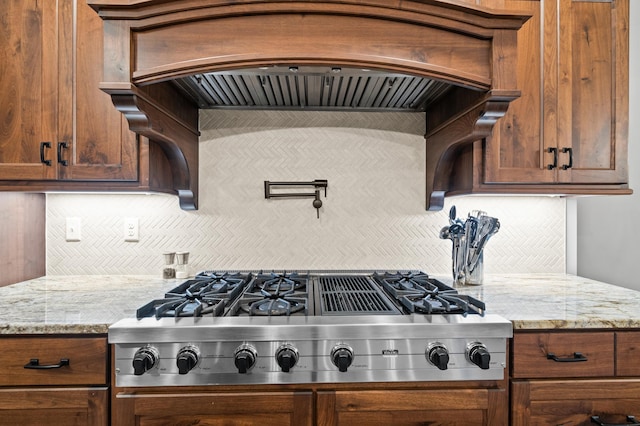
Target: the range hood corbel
pixel 151 45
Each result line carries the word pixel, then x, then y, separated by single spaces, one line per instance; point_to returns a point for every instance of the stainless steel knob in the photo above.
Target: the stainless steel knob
pixel 478 354
pixel 245 358
pixel 438 355
pixel 144 360
pixel 342 357
pixel 187 359
pixel 287 357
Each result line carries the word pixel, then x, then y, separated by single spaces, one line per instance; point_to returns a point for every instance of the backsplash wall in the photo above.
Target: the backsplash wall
pixel 372 218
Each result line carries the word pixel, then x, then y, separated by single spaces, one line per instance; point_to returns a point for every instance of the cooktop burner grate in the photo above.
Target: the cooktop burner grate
pixel 352 295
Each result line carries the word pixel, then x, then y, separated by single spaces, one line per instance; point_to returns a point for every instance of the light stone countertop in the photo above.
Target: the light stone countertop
pixel 89 304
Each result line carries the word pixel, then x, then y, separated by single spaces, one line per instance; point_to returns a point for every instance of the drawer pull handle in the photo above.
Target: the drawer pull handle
pixel 34 364
pixel 632 419
pixel 577 357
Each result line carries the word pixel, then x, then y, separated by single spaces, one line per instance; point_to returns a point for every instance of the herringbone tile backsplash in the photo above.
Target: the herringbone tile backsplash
pixel 372 218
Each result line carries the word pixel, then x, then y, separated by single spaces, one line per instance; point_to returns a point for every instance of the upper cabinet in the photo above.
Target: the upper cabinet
pixel 28 77
pixel 60 131
pixel 567 133
pixel 99 144
pixel 58 125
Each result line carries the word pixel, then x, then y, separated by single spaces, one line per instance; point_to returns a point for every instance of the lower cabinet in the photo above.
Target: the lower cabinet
pixel 302 405
pixel 54 381
pixel 575 378
pixel 214 408
pixel 466 407
pixel 54 406
pixel 575 402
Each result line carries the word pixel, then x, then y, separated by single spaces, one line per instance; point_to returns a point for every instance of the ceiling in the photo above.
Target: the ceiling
pixel 312 88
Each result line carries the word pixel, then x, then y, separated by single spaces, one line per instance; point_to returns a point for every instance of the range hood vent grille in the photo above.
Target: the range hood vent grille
pixel 314 88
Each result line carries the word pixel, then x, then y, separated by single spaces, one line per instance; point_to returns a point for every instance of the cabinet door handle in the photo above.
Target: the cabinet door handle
pixel 570 165
pixel 44 145
pixel 553 165
pixel 61 146
pixel 577 357
pixel 34 364
pixel 632 419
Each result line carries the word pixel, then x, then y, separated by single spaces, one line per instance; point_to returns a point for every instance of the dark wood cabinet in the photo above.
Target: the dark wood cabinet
pixel 71 392
pixel 413 407
pixel 59 125
pixel 568 131
pixel 370 404
pixel 99 144
pixel 28 78
pixel 567 377
pixel 293 408
pixel 61 132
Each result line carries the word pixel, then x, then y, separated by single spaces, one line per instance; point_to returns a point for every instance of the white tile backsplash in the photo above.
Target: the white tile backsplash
pixel 372 218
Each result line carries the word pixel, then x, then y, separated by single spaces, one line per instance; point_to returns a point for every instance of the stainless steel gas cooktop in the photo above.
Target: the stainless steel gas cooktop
pixel 309 327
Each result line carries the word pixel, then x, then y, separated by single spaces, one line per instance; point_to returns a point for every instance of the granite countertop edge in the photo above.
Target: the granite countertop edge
pixel 89 304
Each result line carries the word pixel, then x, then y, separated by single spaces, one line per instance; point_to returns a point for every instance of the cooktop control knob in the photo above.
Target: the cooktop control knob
pixel 342 357
pixel 245 358
pixel 479 355
pixel 438 355
pixel 187 358
pixel 144 360
pixel 287 357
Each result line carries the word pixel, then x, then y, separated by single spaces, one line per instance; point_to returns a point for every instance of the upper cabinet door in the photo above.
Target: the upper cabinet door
pixel 519 149
pixel 99 145
pixel 28 93
pixel 570 124
pixel 593 91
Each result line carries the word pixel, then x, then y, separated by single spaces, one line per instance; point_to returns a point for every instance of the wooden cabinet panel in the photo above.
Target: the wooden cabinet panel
pixel 593 90
pixel 568 131
pixel 228 409
pixel 531 350
pixel 551 402
pixel 628 353
pixel 28 77
pixel 87 361
pixel 100 145
pixel 51 67
pixel 413 407
pixel 63 406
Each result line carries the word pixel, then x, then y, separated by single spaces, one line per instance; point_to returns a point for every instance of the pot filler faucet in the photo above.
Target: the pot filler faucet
pixel 317 184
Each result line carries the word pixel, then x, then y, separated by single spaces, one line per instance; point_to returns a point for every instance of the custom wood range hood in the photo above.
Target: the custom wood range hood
pixel 166 59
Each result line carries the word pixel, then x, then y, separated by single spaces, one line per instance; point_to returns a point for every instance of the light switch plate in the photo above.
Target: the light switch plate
pixel 73 229
pixel 131 232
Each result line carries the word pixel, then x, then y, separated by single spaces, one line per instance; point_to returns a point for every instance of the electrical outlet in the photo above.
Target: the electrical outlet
pixel 131 229
pixel 73 228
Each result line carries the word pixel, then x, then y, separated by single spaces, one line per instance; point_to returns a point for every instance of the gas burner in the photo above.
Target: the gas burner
pixel 182 307
pixel 274 307
pixel 442 304
pixel 226 286
pixel 411 283
pixel 208 294
pixel 280 284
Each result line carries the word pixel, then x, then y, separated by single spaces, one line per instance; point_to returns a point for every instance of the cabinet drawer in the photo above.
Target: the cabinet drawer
pixel 573 402
pixel 531 353
pixel 628 353
pixel 87 361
